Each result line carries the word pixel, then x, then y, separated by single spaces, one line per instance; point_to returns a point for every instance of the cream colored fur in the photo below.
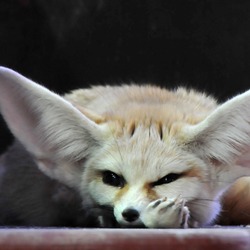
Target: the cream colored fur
pixel 139 133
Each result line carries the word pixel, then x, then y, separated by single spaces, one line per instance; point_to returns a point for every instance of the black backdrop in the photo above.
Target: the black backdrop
pixel 66 44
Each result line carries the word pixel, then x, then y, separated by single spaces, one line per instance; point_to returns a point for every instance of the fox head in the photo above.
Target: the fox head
pixel 126 147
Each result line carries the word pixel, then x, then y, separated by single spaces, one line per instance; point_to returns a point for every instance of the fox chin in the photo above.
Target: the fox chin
pixel 123 156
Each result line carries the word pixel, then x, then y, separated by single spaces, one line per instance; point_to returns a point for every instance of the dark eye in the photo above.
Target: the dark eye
pixel 167 179
pixel 112 179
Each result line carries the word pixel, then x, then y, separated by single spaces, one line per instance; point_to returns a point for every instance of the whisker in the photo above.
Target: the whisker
pixel 201 202
pixel 190 198
pixel 216 181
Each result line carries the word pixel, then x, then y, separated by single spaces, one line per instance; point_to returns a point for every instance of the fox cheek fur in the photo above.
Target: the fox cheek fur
pixel 133 147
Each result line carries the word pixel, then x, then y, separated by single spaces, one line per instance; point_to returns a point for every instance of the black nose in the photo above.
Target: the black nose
pixel 130 214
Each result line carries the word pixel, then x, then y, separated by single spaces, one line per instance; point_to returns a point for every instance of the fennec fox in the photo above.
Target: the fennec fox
pixel 146 156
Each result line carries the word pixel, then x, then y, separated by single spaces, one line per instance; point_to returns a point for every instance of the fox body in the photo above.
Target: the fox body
pixel 142 155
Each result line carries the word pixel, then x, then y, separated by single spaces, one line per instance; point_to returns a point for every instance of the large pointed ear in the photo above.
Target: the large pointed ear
pixel 56 133
pixel 224 136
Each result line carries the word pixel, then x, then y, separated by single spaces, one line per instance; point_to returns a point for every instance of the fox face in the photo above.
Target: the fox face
pixel 158 158
pixel 128 176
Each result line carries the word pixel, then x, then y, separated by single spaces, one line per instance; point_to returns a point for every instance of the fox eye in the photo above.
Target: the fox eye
pixel 167 179
pixel 112 179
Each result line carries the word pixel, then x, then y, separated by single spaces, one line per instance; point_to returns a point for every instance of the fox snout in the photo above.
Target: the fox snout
pixel 129 217
pixel 130 206
pixel 130 214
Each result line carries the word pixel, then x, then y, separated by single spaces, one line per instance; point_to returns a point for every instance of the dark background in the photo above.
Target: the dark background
pixel 66 44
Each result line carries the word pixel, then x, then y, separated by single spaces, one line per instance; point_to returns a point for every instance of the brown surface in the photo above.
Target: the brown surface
pixel 216 238
pixel 236 205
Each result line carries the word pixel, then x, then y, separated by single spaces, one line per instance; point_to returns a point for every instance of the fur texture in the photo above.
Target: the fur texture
pixel 153 157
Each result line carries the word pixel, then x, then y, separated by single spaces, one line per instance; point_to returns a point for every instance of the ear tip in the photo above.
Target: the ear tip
pixel 4 70
pixel 7 72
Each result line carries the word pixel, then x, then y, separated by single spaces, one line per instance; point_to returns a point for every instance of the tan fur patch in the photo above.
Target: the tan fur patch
pixel 235 204
pixel 121 192
pixel 193 172
pixel 150 193
pixel 124 106
pixel 131 128
pixel 91 115
pixel 160 129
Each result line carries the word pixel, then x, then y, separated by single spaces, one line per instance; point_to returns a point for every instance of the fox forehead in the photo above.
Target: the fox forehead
pixel 145 157
pixel 124 109
pixel 144 136
pixel 133 104
pixel 144 129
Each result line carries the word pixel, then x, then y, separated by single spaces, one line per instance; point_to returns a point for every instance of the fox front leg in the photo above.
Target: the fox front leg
pixel 166 213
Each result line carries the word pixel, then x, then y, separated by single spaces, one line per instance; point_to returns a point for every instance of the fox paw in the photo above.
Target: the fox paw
pixel 166 213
